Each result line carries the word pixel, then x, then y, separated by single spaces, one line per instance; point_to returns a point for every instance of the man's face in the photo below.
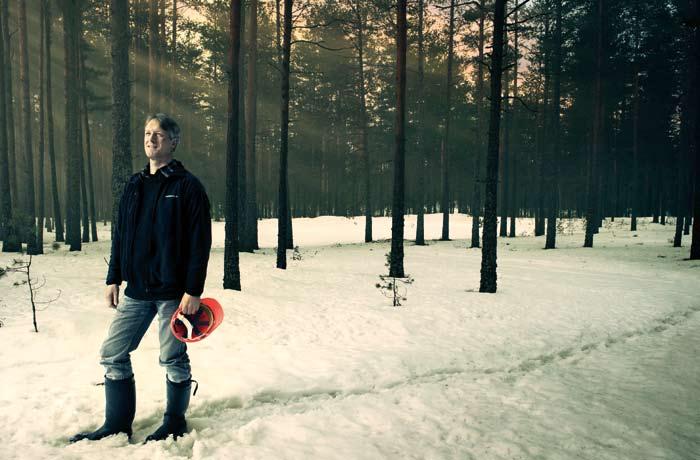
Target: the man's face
pixel 157 142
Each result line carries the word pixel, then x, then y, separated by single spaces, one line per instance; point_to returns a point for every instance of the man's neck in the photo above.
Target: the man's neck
pixel 155 165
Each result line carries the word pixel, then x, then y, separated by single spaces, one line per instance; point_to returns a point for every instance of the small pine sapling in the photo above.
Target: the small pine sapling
pixel 21 266
pixel 393 287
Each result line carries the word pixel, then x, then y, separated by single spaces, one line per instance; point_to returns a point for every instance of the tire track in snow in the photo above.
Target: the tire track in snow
pixel 271 402
pixel 676 318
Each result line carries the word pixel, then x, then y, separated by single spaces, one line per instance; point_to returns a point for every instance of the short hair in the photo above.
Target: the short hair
pixel 166 123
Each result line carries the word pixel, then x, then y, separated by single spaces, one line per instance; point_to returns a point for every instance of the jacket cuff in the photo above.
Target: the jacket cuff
pixel 113 280
pixel 194 292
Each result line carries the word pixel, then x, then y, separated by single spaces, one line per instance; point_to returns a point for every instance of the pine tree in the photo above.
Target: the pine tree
pixel 396 268
pixel 251 205
pixel 421 141
pixel 232 276
pixel 445 145
pixel 9 105
pixel 7 228
pixel 88 146
pixel 476 193
pixel 554 132
pixel 72 14
pixel 42 130
pixel 283 215
pixel 29 199
pixel 153 56
pixel 592 211
pixel 121 89
pixel 57 216
pixel 695 62
pixel 488 281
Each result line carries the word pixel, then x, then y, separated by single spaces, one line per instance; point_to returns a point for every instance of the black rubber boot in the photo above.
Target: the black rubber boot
pixel 174 419
pixel 120 406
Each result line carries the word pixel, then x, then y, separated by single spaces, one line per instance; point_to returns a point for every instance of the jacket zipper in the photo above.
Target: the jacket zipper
pixel 132 225
pixel 150 230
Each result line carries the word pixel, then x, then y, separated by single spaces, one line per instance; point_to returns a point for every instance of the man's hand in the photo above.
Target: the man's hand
pixel 189 304
pixel 112 295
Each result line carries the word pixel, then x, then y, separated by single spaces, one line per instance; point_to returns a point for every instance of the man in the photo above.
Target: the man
pixel 161 249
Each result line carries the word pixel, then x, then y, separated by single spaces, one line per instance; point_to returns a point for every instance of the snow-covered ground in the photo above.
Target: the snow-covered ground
pixel 582 353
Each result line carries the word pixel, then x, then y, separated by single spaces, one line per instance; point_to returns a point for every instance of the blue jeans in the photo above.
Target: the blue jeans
pixel 128 328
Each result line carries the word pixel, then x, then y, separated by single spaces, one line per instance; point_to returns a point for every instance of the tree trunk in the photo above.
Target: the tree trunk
pixel 283 216
pixel 592 211
pixel 243 237
pixel 488 281
pixel 250 131
pixel 82 136
pixel 514 146
pixel 364 120
pixel 83 217
pixel 71 18
pixel 680 191
pixel 42 113
pixel 152 55
pixel 543 134
pixel 505 150
pixel 29 201
pixel 8 233
pixel 695 63
pixel 278 33
pixel 232 276
pixel 421 144
pixel 83 188
pixel 635 201
pixel 88 149
pixel 173 58
pixel 9 105
pixel 555 130
pixel 121 146
pixel 445 145
pixel 396 268
pixel 290 230
pixel 684 161
pixel 57 216
pixel 162 85
pixel 476 194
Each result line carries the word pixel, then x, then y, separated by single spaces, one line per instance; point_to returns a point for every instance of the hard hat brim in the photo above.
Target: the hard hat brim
pixel 214 313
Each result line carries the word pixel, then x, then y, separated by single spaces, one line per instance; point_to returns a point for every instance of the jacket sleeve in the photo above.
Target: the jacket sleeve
pixel 114 272
pixel 199 239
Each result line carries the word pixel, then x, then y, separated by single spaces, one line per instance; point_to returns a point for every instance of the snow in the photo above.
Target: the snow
pixel 582 353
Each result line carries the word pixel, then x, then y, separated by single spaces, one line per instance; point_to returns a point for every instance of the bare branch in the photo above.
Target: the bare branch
pixel 517 8
pixel 527 19
pixel 326 24
pixel 484 63
pixel 274 66
pixel 447 7
pixel 519 99
pixel 43 283
pixel 320 45
pixel 49 301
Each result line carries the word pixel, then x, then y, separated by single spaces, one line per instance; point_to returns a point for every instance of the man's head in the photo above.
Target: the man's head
pixel 161 136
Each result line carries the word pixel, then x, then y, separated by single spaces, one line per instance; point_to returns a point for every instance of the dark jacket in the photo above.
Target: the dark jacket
pixel 181 217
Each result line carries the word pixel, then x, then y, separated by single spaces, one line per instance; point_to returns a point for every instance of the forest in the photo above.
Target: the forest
pixel 435 228
pixel 595 114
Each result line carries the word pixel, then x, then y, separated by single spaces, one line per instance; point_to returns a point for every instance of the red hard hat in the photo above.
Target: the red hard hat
pixel 195 327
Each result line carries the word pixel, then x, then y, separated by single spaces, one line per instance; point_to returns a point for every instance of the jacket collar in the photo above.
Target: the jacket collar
pixel 174 168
